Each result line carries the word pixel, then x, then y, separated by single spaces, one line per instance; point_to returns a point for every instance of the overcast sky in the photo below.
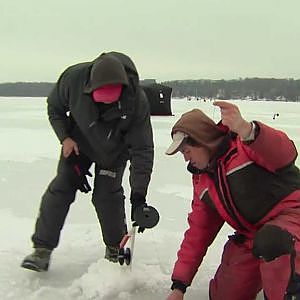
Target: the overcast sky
pixel 167 39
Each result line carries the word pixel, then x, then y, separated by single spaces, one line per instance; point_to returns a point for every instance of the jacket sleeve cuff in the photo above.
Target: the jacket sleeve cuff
pixel 179 286
pixel 137 199
pixel 253 134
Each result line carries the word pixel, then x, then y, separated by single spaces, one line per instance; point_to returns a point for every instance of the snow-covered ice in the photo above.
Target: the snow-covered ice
pixel 28 157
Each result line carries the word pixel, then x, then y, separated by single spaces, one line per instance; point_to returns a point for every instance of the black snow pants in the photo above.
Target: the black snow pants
pixel 108 200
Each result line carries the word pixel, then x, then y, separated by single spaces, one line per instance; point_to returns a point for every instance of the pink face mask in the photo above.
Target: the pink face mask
pixel 107 93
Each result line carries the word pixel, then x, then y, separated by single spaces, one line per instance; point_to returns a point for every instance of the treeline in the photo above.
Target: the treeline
pixel 251 88
pixel 25 89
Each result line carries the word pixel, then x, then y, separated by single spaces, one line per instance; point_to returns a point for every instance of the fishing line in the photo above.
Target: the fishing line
pixel 213 116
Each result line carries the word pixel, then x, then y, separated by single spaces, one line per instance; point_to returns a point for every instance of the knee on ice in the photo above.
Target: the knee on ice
pixel 271 242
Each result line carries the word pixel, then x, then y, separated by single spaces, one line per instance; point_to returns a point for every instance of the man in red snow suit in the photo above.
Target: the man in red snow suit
pixel 244 174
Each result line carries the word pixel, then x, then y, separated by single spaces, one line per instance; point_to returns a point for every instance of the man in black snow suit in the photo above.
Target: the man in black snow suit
pixel 100 115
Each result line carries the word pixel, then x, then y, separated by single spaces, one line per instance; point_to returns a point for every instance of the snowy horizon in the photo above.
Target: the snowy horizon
pixel 28 159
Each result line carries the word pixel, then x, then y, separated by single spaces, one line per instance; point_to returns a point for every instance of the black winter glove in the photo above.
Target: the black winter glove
pixel 80 172
pixel 137 201
pixel 141 229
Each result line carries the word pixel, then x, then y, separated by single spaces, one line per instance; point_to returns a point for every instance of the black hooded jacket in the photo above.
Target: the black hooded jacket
pixel 109 134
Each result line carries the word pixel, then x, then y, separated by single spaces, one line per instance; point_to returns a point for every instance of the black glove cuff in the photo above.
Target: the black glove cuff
pixel 73 159
pixel 179 286
pixel 137 199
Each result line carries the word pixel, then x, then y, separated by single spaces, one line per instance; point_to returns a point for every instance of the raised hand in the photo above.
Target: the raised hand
pixel 232 118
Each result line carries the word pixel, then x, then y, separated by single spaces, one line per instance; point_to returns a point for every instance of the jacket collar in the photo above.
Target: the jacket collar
pixel 221 151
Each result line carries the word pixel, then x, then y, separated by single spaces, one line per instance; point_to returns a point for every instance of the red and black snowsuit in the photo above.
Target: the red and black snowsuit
pixel 247 186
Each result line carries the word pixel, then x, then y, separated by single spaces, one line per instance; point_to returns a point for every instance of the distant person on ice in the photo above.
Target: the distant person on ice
pixel 100 115
pixel 244 174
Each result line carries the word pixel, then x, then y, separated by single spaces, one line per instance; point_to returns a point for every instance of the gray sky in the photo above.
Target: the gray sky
pixel 167 39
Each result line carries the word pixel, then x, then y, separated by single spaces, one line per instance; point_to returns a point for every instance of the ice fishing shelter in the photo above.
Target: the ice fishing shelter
pixel 159 97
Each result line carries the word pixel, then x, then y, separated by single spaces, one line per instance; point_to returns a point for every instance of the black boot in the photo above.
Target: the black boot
pixel 293 289
pixel 112 253
pixel 38 260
